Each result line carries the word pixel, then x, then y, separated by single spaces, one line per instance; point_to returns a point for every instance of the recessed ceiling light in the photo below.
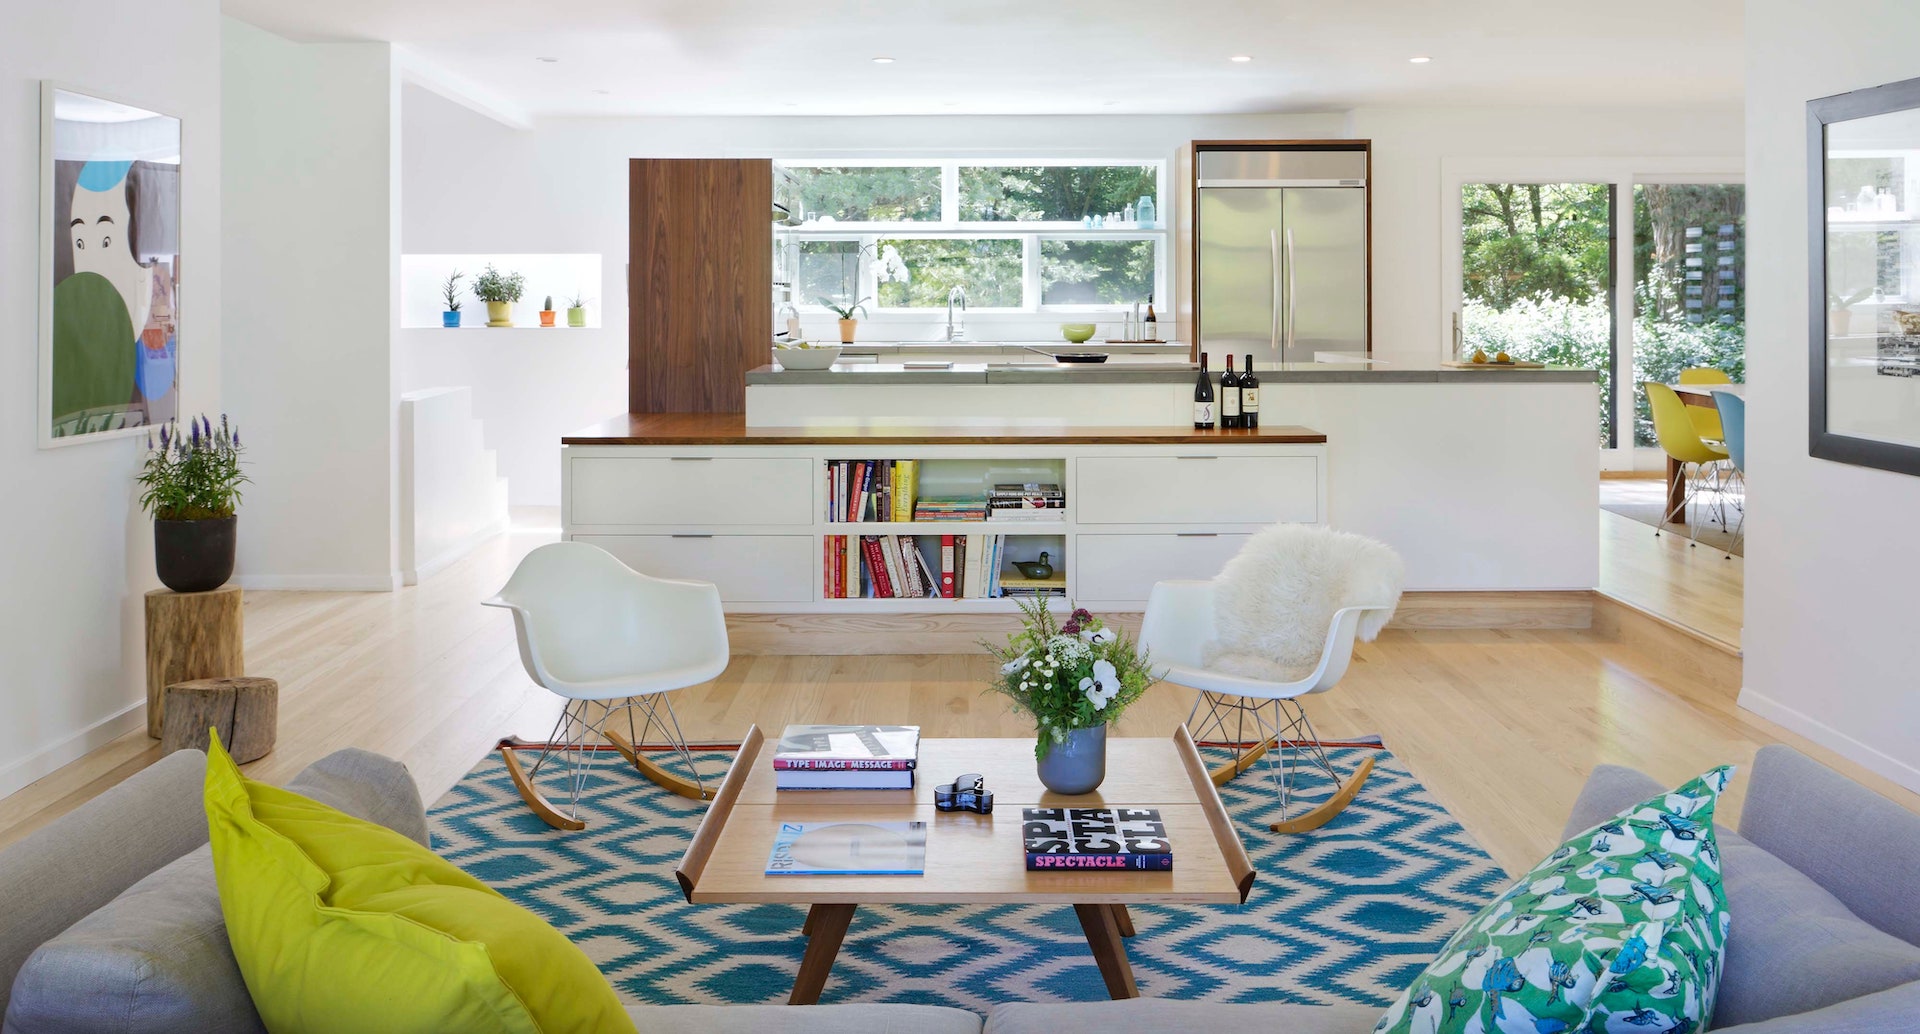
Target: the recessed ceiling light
pixel 883 61
pixel 1241 58
pixel 1419 60
pixel 548 60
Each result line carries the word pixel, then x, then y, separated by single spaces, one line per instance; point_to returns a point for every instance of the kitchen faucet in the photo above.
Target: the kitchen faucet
pixel 957 328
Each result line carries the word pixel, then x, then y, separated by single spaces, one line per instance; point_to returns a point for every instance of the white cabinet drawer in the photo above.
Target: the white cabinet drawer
pixel 747 568
pixel 1204 488
pixel 750 491
pixel 1124 567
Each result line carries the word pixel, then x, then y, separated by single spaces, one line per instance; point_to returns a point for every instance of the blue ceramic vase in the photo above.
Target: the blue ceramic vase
pixel 1077 764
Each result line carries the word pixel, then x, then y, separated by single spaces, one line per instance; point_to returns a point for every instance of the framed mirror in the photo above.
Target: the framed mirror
pixel 110 267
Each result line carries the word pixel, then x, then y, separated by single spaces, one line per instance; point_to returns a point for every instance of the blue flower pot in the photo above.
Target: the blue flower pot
pixel 450 319
pixel 1077 764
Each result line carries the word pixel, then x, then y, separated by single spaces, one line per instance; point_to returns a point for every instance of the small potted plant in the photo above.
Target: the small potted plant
pixel 499 290
pixel 191 485
pixel 849 323
pixel 1074 678
pixel 547 312
pixel 451 292
pixel 576 311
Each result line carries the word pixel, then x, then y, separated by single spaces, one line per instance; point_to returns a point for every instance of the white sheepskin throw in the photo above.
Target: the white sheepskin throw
pixel 1274 601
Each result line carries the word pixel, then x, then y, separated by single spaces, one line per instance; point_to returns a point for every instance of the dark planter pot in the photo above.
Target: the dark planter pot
pixel 194 556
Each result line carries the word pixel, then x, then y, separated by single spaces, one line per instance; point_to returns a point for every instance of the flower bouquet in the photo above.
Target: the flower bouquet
pixel 1074 678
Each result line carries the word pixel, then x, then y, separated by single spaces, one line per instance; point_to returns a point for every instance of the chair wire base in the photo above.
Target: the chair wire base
pixel 1252 726
pixel 581 722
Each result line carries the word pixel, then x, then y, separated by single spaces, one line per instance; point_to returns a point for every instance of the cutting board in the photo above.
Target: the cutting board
pixel 1490 365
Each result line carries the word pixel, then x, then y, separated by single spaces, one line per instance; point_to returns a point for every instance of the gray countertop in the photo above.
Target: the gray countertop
pixel 1148 373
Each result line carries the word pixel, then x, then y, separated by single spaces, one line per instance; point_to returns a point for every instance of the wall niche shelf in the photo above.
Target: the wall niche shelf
pixel 560 275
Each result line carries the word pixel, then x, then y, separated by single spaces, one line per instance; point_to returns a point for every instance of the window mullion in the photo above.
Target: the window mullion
pixel 950 193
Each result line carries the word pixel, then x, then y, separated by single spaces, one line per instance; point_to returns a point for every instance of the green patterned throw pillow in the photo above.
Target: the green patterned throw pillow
pixel 1622 928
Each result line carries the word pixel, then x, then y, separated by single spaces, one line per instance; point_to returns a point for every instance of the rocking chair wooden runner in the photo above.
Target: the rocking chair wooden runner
pixel 1252 715
pixel 612 642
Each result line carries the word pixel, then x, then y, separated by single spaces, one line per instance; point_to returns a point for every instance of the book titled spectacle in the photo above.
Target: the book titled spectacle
pixel 1095 838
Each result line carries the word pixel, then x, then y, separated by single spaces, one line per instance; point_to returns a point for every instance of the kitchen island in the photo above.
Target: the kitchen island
pixel 1481 479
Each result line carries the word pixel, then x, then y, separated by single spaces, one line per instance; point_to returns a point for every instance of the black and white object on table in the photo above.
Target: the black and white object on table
pixel 1095 839
pixel 967 793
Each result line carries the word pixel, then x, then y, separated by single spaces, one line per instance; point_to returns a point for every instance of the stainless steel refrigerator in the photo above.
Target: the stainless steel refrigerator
pixel 1282 270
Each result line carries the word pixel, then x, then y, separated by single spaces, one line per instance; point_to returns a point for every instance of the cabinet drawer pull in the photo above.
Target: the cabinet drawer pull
pixel 691 459
pixel 1196 457
pixel 705 536
pixel 1196 534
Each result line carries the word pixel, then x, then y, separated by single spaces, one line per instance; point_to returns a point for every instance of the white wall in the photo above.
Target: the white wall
pixel 79 556
pixel 312 196
pixel 562 187
pixel 1831 578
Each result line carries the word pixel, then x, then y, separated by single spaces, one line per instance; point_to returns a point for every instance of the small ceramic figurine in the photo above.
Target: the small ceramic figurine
pixel 1035 568
pixel 967 793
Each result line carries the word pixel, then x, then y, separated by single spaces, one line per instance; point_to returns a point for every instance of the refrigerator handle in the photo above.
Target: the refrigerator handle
pixel 1291 294
pixel 1273 242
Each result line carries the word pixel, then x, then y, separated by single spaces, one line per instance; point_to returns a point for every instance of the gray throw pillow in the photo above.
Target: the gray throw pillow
pixel 1794 947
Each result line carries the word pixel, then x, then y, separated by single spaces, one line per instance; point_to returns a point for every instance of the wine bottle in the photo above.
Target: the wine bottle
pixel 1203 398
pixel 1249 396
pixel 1229 396
pixel 1152 331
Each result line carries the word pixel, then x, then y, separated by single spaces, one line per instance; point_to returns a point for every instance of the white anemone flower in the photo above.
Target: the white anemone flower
pixel 1017 664
pixel 1096 635
pixel 1102 686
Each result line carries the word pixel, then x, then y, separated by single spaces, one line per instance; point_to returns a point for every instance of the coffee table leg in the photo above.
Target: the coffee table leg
pixel 826 926
pixel 1102 927
pixel 1123 919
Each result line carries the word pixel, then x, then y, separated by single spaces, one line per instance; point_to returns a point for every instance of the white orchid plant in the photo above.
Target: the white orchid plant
pixel 1072 674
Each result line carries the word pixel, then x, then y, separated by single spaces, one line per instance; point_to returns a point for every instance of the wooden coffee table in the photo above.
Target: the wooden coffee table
pixel 972 859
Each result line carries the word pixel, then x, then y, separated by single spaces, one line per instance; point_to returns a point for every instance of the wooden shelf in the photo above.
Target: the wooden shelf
pixel 732 429
pixel 948 528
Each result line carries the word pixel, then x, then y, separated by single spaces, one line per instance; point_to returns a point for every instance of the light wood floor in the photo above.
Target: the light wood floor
pixel 1697 588
pixel 1502 725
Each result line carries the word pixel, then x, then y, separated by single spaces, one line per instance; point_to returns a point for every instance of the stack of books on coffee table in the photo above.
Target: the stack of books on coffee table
pixel 846 757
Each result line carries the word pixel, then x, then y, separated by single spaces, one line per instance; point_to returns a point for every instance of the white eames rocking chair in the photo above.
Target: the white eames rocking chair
pixel 610 641
pixel 1256 715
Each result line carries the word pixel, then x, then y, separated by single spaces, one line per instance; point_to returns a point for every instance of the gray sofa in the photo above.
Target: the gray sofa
pixel 113 922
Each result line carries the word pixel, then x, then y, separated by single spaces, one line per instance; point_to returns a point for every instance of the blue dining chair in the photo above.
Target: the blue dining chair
pixel 1733 422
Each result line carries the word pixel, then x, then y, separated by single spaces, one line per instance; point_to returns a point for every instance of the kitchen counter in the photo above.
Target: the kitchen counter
pixel 1042 372
pixel 732 429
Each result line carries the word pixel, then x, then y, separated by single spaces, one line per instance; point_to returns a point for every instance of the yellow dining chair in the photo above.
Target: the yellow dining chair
pixel 1681 441
pixel 1706 419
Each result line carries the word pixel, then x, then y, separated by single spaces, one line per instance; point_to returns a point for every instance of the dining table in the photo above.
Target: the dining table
pixel 1693 395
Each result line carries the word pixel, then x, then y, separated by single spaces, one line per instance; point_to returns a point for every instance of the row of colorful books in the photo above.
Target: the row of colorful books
pixel 871 490
pixel 1032 501
pixel 906 567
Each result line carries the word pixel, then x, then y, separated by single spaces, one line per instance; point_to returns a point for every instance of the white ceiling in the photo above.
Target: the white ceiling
pixel 759 57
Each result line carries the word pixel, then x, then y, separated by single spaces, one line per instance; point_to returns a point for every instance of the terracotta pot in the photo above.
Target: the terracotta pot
pixel 847 327
pixel 546 317
pixel 499 314
pixel 194 556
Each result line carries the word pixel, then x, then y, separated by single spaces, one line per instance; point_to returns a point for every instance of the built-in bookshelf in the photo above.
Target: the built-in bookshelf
pixel 773 525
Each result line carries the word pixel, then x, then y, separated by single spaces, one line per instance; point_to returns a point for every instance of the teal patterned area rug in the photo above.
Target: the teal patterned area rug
pixel 1349 913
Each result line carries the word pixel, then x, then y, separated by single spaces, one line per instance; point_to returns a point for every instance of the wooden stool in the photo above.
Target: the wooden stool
pixel 245 709
pixel 190 635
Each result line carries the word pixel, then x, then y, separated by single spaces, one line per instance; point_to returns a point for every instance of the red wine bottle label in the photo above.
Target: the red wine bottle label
pixel 1203 412
pixel 1249 400
pixel 1230 402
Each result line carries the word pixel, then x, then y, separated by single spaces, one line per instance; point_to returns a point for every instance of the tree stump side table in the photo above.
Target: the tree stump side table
pixel 245 709
pixel 190 635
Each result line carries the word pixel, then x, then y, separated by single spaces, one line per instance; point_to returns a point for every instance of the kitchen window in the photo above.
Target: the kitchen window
pixel 1032 236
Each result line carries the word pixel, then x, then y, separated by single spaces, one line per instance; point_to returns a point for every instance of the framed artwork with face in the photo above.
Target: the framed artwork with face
pixel 110 268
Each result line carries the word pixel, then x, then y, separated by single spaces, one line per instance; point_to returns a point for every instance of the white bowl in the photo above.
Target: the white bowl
pixel 807 358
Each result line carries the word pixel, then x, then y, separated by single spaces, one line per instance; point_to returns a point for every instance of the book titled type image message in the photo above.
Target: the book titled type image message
pixel 1059 839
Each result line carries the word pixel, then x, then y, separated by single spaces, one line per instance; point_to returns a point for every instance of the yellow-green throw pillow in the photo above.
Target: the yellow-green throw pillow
pixel 343 925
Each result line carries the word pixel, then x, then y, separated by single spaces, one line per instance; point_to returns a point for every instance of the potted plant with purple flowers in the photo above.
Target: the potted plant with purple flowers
pixel 191 485
pixel 1074 677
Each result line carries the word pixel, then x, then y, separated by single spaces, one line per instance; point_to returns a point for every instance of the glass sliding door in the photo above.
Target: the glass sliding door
pixel 1689 286
pixel 1536 279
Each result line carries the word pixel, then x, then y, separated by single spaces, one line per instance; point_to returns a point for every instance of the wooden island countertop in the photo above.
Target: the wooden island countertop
pixel 732 429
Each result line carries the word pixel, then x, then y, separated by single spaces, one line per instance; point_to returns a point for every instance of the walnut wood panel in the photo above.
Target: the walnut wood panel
pixel 700 273
pixel 190 635
pixel 731 429
pixel 1192 158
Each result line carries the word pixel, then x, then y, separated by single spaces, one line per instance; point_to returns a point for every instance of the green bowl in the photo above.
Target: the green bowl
pixel 1078 333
